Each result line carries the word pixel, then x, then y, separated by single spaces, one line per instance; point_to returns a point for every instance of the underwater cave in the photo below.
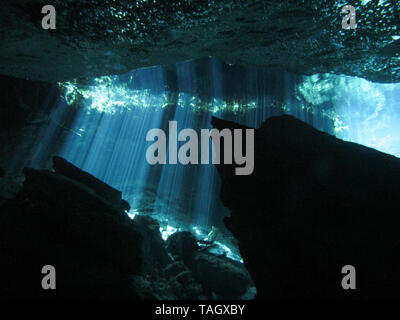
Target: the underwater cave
pixel 77 193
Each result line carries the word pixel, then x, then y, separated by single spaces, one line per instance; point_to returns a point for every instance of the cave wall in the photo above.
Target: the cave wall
pixel 313 205
pixel 25 112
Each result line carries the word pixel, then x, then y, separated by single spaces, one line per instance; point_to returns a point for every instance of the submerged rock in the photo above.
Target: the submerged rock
pixel 313 205
pixel 10 185
pixel 103 190
pixel 72 221
pixel 227 278
pixel 182 244
pixel 202 274
pixel 153 248
pixel 175 268
pixel 55 220
pixel 112 37
pixel 183 282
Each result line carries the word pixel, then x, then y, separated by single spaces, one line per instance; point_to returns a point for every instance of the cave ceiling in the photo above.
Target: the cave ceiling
pixel 104 37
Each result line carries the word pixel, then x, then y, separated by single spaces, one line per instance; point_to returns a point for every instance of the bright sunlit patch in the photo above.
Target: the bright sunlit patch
pixel 362 111
pixel 364 2
pixel 198 232
pixel 217 247
pixel 225 250
pixel 110 94
pixel 132 213
pixel 167 231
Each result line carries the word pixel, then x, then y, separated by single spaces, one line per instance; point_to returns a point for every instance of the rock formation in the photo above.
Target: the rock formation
pixel 313 205
pixel 55 220
pixel 71 220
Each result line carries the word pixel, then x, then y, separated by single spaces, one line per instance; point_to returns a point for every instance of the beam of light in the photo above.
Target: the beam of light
pixel 103 123
pixel 108 139
pixel 114 140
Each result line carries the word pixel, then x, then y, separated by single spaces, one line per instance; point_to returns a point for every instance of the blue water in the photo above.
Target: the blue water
pixel 106 135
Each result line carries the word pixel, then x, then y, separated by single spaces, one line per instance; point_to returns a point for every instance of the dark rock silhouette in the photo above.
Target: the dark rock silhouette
pixel 73 221
pixel 314 204
pixel 25 111
pixel 103 190
pixel 197 270
pixel 182 244
pixel 227 278
pixel 55 220
pixel 153 248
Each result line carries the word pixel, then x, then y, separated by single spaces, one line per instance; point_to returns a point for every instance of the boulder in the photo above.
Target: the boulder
pixel 10 185
pixel 153 246
pixel 227 278
pixel 57 221
pixel 185 277
pixel 182 244
pixel 103 190
pixel 174 268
